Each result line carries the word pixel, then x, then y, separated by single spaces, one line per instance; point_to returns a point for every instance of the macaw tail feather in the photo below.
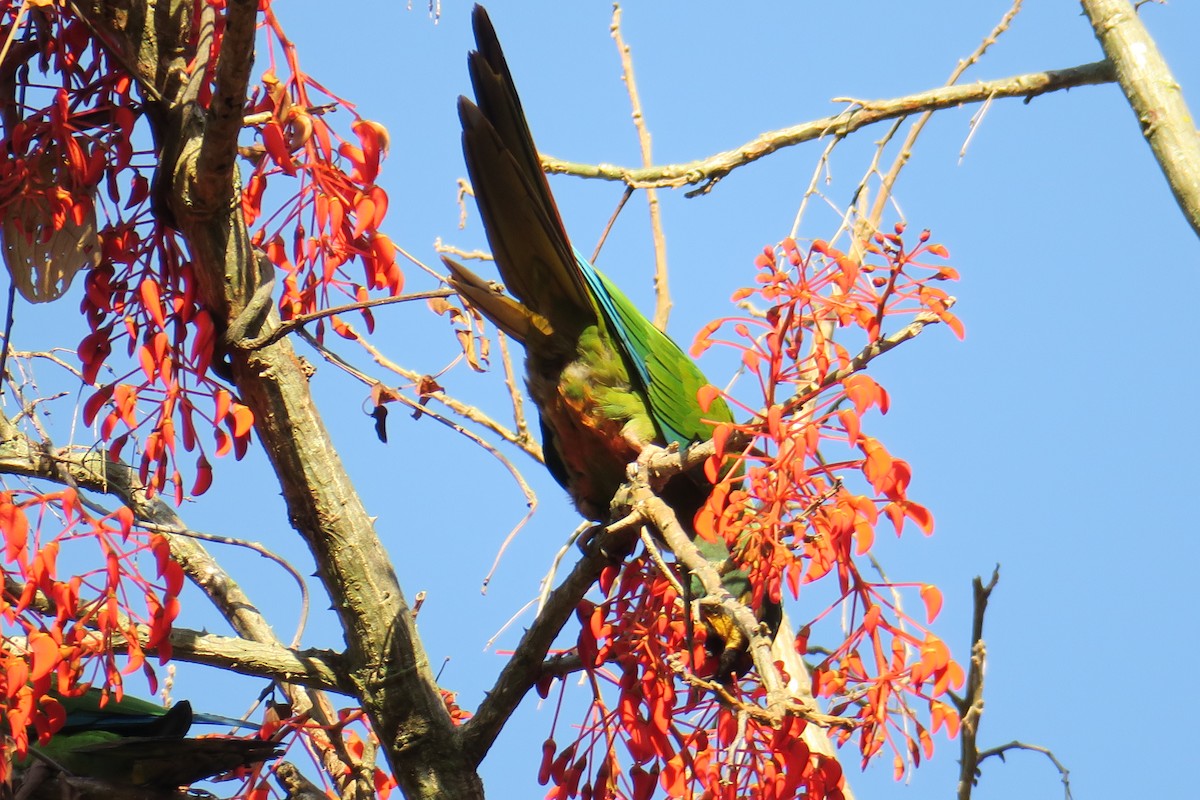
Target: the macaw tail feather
pixel 532 250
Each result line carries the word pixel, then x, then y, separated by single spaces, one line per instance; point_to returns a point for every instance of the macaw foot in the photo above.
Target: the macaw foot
pixel 642 466
pixel 584 540
pixel 615 542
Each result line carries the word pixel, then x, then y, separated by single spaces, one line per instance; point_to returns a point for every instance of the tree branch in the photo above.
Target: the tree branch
pixel 656 511
pixel 313 667
pixel 218 147
pixel 710 170
pixel 667 462
pixel 391 671
pixel 1154 95
pixel 662 292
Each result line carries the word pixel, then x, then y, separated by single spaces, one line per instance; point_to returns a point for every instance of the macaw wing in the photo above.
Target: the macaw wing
pixel 669 378
pixel 129 716
pixel 155 761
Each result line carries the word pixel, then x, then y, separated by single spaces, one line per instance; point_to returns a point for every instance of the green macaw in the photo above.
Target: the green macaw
pixel 605 380
pixel 133 742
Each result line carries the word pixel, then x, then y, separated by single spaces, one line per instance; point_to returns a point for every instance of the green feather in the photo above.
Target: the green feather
pixel 669 378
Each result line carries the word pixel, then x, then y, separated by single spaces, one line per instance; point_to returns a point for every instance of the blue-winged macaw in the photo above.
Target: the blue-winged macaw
pixel 606 382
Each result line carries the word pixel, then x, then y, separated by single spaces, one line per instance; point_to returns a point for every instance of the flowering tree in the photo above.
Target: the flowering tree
pixel 217 208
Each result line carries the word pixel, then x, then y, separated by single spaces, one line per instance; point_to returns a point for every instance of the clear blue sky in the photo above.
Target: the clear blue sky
pixel 1056 440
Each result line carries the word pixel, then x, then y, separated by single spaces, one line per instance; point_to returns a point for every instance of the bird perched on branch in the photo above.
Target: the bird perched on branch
pixel 137 743
pixel 606 382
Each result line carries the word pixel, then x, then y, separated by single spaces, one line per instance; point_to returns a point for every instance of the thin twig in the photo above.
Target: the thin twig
pixel 1015 745
pixel 345 366
pixel 8 326
pixel 612 219
pixel 520 437
pixel 441 247
pixel 973 127
pixel 666 463
pixel 300 320
pixel 822 166
pixel 656 556
pixel 723 695
pixel 514 393
pixel 523 670
pixel 257 548
pixel 12 34
pixel 889 180
pixel 531 499
pixel 508 624
pixel 548 581
pixel 662 290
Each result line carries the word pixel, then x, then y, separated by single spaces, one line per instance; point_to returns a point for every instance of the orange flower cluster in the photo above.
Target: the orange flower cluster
pixel 73 624
pixel 336 210
pixel 793 512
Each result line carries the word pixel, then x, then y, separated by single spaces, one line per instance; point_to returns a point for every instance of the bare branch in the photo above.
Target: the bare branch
pixel 314 668
pixel 400 397
pixel 94 471
pixel 520 437
pixel 666 463
pixel 889 180
pixel 655 511
pixel 712 169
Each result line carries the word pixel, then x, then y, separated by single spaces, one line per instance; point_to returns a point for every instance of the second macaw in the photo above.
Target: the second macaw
pixel 605 380
pixel 134 742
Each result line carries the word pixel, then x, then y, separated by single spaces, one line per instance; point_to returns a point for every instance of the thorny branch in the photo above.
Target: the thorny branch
pixel 1014 745
pixel 524 669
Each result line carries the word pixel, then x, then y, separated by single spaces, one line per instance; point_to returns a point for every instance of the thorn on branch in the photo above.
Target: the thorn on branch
pixel 1063 772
